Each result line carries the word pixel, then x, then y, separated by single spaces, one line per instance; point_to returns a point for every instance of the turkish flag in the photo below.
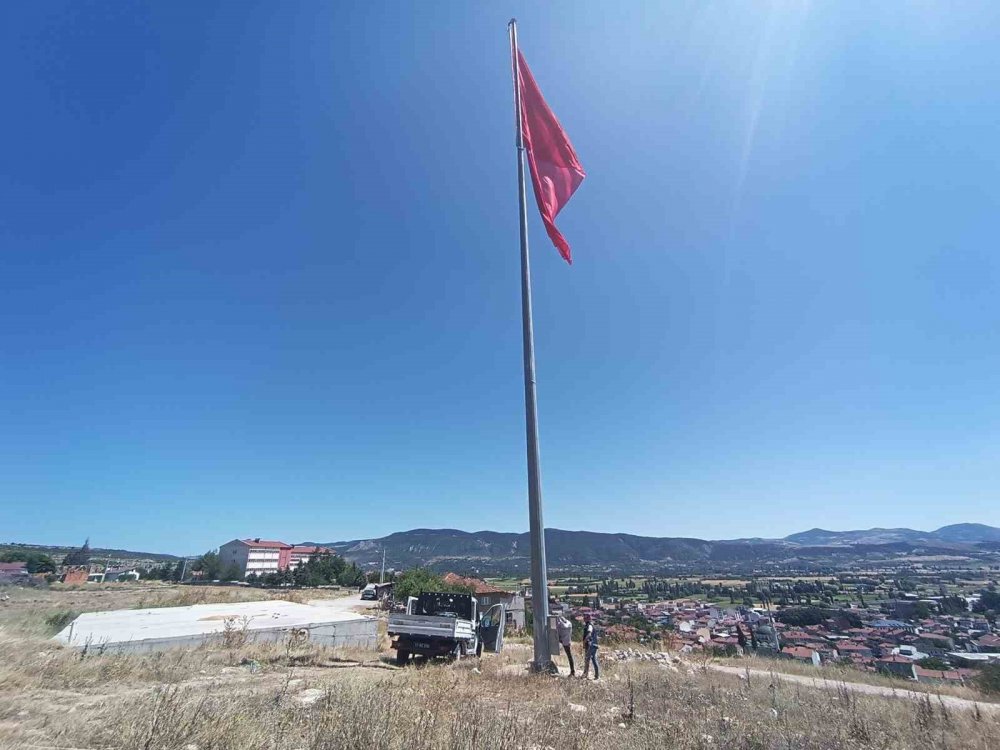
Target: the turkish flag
pixel 555 171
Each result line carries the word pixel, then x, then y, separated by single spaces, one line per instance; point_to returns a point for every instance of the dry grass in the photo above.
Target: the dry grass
pixel 638 706
pixel 30 612
pixel 274 696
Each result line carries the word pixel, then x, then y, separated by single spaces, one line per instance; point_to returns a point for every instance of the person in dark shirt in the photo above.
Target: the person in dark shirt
pixel 590 639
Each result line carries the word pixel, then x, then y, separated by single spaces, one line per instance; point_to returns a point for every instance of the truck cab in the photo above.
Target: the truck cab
pixel 445 624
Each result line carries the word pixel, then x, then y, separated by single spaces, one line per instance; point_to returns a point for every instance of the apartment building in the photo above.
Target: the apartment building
pixel 258 556
pixel 262 556
pixel 301 554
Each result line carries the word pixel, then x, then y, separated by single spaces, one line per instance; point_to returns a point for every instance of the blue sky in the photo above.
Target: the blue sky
pixel 260 270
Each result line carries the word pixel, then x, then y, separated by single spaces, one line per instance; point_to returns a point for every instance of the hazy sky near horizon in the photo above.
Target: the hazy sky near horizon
pixel 260 269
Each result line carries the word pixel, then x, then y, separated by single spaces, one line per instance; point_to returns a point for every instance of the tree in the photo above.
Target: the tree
pixel 166 572
pixel 352 576
pixel 989 600
pixel 301 576
pixel 326 569
pixel 232 573
pixel 800 616
pixel 953 605
pixel 741 637
pixel 412 582
pixel 37 562
pixel 921 611
pixel 80 556
pixel 988 679
pixel 209 565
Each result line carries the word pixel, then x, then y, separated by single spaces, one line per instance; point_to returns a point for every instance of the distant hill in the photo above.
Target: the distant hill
pixel 498 552
pixel 97 554
pixel 864 536
pixel 968 532
pixel 960 532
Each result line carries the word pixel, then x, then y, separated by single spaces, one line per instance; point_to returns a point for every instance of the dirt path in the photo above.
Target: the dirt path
pixel 859 687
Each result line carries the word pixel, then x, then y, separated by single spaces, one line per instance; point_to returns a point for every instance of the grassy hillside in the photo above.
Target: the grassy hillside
pixel 252 697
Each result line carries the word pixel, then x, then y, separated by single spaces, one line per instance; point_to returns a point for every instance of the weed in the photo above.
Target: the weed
pixel 59 620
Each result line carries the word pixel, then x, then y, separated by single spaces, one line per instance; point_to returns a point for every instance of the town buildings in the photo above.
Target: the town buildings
pixel 860 637
pixel 261 556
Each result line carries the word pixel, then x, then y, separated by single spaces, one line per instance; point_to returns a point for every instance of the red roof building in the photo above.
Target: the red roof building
pixel 989 642
pixel 301 554
pixel 475 585
pixel 257 556
pixel 937 676
pixel 849 648
pixel 14 572
pixel 800 653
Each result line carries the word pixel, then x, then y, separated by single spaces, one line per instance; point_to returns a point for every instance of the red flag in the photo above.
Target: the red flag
pixel 555 171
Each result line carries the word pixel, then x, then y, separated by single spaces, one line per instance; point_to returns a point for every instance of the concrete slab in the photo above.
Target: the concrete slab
pixel 328 622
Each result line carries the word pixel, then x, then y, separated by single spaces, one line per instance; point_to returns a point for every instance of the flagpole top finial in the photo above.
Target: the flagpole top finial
pixel 512 22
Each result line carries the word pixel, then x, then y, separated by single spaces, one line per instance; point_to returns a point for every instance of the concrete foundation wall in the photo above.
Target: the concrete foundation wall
pixel 353 634
pixel 333 623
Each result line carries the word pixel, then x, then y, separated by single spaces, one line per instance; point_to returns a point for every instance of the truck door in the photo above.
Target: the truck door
pixel 491 626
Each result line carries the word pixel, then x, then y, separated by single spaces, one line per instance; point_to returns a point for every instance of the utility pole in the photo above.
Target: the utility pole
pixel 774 625
pixel 381 576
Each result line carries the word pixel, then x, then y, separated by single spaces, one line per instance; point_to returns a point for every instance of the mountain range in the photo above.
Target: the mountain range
pixel 959 532
pixel 496 553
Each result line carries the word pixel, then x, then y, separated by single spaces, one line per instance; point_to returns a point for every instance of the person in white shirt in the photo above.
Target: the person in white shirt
pixel 564 629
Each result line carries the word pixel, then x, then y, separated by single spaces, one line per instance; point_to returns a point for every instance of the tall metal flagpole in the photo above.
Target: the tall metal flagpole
pixel 539 576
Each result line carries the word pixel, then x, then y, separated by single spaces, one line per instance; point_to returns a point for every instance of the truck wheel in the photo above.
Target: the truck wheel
pixel 479 649
pixel 402 657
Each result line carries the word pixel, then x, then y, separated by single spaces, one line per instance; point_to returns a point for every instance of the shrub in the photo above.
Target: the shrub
pixel 61 619
pixel 933 662
pixel 801 616
pixel 988 679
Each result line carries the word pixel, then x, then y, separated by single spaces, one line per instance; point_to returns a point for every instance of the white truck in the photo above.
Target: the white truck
pixel 445 624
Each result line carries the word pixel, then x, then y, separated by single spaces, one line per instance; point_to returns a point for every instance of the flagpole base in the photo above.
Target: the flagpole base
pixel 548 667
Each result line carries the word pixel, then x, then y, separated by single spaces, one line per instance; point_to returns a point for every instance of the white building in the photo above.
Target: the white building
pixel 258 556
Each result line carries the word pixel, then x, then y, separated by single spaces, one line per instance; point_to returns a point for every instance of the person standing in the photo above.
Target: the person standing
pixel 564 629
pixel 590 647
